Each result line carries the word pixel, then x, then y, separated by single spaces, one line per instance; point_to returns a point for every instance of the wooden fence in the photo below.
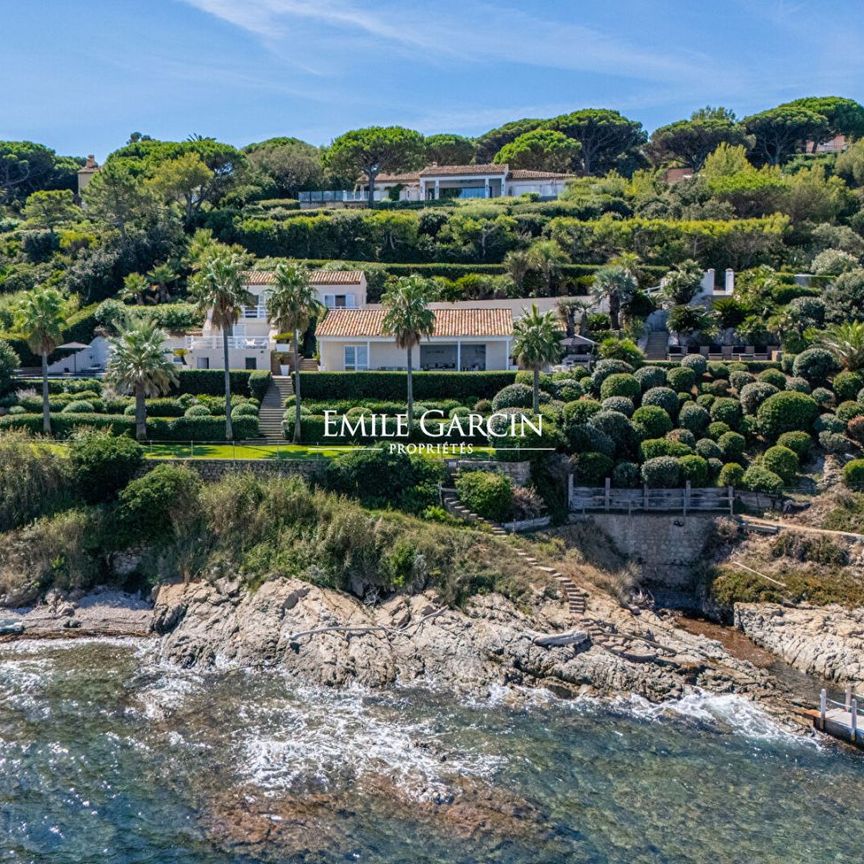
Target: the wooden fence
pixel 608 499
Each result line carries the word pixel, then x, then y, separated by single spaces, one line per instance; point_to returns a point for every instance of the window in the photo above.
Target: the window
pixel 202 363
pixel 356 358
pixel 340 301
pixel 251 363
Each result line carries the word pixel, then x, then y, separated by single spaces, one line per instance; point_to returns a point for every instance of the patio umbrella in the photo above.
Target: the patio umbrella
pixel 76 347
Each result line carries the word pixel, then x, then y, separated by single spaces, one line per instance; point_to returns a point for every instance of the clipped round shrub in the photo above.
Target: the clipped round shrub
pixel 650 376
pixel 567 391
pixel 483 406
pixel 730 475
pixel 718 369
pixel 741 379
pixel 197 410
pixel 580 410
pixel 798 442
pixel 757 478
pixel 685 397
pixel 717 428
pixel 695 418
pixel 720 387
pixel 617 426
pixel 774 377
pixel 654 447
pixel 487 493
pixel 681 379
pixel 726 411
pixel 458 411
pixel 788 411
pixel 651 421
pixel 816 365
pixel 753 395
pixel 620 384
pixel 103 463
pixel 514 396
pixel 583 438
pixel 661 472
pixel 715 466
pixel 697 363
pixel 625 475
pixel 833 442
pixel 847 410
pixel 662 397
pixel 682 436
pixel 129 410
pixel 824 398
pixel 244 409
pixel 829 423
pixel 749 427
pixel 709 449
pixel 151 506
pixel 695 469
pixel 853 474
pixel 79 406
pixel 782 461
pixel 604 368
pixel 854 429
pixel 619 403
pixel 17 409
pixel 187 399
pixel 799 384
pixel 732 444
pixel 591 469
pixel 706 400
pixel 847 385
pixel 578 372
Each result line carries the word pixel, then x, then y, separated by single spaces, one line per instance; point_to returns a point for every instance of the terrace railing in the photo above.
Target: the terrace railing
pixel 606 499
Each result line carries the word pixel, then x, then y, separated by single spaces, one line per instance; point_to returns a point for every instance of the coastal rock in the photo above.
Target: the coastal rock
pixel 826 641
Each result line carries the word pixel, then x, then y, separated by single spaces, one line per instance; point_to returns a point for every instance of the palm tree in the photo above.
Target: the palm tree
pixel 39 317
pixel 138 365
pixel 518 263
pixel 846 342
pixel 134 287
pixel 162 275
pixel 536 344
pixel 290 306
pixel 409 319
pixel 616 284
pixel 220 292
pixel 547 257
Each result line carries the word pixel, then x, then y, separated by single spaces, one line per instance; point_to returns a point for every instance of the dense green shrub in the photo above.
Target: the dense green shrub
pixel 196 410
pixel 732 444
pixel 621 404
pixel 816 365
pixel 846 411
pixel 63 425
pixel 731 475
pixel 650 376
pixel 774 377
pixel 581 410
pixel 103 463
pixel 855 429
pixel 514 396
pixel 706 400
pixel 651 421
pixel 245 409
pixel 715 466
pixel 681 379
pixel 726 411
pixel 656 447
pixel 717 388
pixel 661 472
pixel 798 442
pixel 829 423
pixel 9 364
pixel 620 384
pixel 80 406
pixel 662 397
pixel 853 474
pixel 833 442
pixel 757 478
pixel 695 469
pixel 626 475
pixel 212 382
pixel 605 368
pixel 741 379
pixel 799 384
pixel 392 386
pixel 824 398
pixel 782 461
pixel 617 426
pixel 584 438
pixel 694 417
pixel 151 507
pixel 697 363
pixel 846 385
pixel 788 411
pixel 591 469
pixel 682 436
pixel 487 493
pixel 708 449
pixel 717 428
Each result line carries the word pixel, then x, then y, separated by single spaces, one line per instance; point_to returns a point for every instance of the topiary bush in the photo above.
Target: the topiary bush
pixel 661 472
pixel 741 379
pixel 782 461
pixel 697 363
pixel 581 410
pixel 79 407
pixel 583 438
pixel 488 493
pixel 753 395
pixel 244 409
pixel 855 430
pixel 695 469
pixel 774 377
pixel 515 396
pixel 620 384
pixel 619 403
pixel 788 411
pixel 717 388
pixel 829 423
pixel 726 411
pixel 853 474
pixel 662 397
pixel 695 418
pixel 591 469
pixel 625 475
pixel 833 442
pixel 717 428
pixel 655 447
pixel 197 411
pixel 825 399
pixel 718 369
pixel 732 445
pixel 604 368
pixel 651 421
pixel 708 449
pixel 798 442
pixel 815 365
pixel 649 377
pixel 103 463
pixel 731 475
pixel 759 479
pixel 715 466
pixel 846 385
pixel 682 436
pixel 681 379
pixel 846 411
pixel 617 426
pixel 706 400
pixel 799 384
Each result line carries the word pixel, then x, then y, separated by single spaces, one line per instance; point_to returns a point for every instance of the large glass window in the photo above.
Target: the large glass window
pixel 356 358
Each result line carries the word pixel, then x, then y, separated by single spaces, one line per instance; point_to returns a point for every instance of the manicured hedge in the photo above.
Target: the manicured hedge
pixel 211 382
pixel 312 429
pixel 392 386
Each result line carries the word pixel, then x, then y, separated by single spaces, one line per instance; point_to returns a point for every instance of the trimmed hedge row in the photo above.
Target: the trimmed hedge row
pixel 211 382
pixel 392 386
pixel 312 427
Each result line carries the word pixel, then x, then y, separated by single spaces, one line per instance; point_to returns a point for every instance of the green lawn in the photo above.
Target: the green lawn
pixel 268 451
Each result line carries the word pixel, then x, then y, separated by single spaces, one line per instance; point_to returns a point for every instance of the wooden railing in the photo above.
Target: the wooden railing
pixel 684 500
pixel 846 721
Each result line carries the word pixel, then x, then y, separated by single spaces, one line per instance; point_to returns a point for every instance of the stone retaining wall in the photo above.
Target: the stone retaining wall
pixel 518 472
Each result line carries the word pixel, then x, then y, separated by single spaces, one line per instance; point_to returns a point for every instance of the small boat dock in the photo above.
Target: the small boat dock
pixel 843 720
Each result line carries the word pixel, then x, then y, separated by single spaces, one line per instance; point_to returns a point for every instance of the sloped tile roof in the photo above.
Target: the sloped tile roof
pixel 472 170
pixel 521 174
pixel 316 277
pixel 367 323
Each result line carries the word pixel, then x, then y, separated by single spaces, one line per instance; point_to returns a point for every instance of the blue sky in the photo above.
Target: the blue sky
pixel 80 76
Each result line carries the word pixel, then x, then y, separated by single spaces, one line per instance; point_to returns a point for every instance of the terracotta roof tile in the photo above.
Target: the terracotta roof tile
pixel 448 323
pixel 473 170
pixel 316 277
pixel 521 174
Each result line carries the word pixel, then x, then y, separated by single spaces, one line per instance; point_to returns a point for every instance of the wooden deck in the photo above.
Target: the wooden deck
pixel 843 720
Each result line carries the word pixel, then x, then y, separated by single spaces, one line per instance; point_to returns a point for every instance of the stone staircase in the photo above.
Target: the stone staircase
pixel 273 408
pixel 453 505
pixel 657 346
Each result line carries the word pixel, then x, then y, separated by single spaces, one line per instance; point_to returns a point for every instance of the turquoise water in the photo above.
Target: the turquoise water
pixel 106 756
